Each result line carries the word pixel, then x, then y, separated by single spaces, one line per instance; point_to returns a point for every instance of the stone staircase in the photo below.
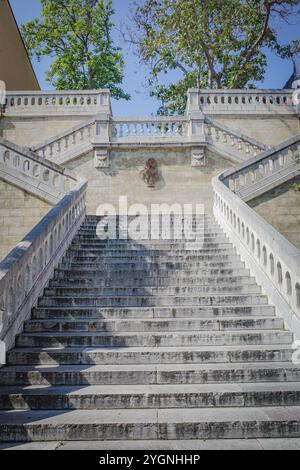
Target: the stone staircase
pixel 148 341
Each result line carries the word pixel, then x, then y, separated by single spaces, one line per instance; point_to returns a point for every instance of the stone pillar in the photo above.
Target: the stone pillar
pixel 196 128
pixel 101 141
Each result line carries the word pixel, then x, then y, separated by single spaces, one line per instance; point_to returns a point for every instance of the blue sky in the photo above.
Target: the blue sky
pixel 277 73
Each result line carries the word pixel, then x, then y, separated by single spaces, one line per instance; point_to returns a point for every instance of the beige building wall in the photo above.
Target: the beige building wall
pixel 281 208
pixel 15 67
pixel 19 213
pixel 179 181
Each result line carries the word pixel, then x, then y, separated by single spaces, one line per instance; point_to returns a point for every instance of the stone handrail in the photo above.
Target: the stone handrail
pixel 66 141
pixel 29 266
pixel 230 140
pixel 239 101
pixel 154 127
pixel 86 102
pixel 267 170
pixel 272 259
pixel 26 170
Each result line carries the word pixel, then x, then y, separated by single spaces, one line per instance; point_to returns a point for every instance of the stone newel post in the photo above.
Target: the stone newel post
pixel 196 128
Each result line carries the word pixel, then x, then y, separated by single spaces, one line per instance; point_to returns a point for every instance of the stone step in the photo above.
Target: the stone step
pixel 78 249
pixel 162 338
pixel 145 282
pixel 190 423
pixel 153 266
pixel 85 272
pixel 132 259
pixel 170 444
pixel 101 397
pixel 157 355
pixel 155 312
pixel 89 241
pixel 140 324
pixel 206 241
pixel 153 291
pixel 127 374
pixel 153 301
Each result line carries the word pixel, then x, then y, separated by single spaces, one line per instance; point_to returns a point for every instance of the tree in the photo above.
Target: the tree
pixel 212 43
pixel 77 34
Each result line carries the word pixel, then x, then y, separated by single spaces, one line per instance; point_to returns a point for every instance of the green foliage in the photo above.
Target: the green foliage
pixel 77 34
pixel 212 43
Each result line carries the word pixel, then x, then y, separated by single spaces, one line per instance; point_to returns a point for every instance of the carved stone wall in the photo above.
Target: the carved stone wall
pixel 178 182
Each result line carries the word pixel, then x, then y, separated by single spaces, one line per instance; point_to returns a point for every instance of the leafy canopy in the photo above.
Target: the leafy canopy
pixel 77 34
pixel 212 43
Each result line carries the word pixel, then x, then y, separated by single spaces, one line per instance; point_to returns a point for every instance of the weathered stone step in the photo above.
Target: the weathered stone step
pixel 152 301
pixel 163 338
pixel 190 266
pixel 170 444
pixel 149 259
pixel 185 355
pixel 150 255
pixel 144 250
pixel 145 281
pixel 140 324
pixel 136 273
pixel 180 290
pixel 97 397
pixel 85 273
pixel 155 312
pixel 92 238
pixel 127 374
pixel 193 423
pixel 146 245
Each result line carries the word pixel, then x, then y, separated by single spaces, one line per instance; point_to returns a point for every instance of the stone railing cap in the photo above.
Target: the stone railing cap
pixel 262 156
pixel 242 91
pixel 20 249
pixel 33 156
pixel 290 251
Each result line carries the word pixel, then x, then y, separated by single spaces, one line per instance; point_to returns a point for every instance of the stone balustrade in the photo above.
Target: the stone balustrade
pixel 65 142
pixel 244 146
pixel 269 169
pixel 240 101
pixel 160 127
pixel 29 266
pixel 273 260
pixel 87 102
pixel 25 169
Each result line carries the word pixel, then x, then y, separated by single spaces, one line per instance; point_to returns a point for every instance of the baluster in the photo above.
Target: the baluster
pixel 224 137
pixel 119 130
pixel 66 142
